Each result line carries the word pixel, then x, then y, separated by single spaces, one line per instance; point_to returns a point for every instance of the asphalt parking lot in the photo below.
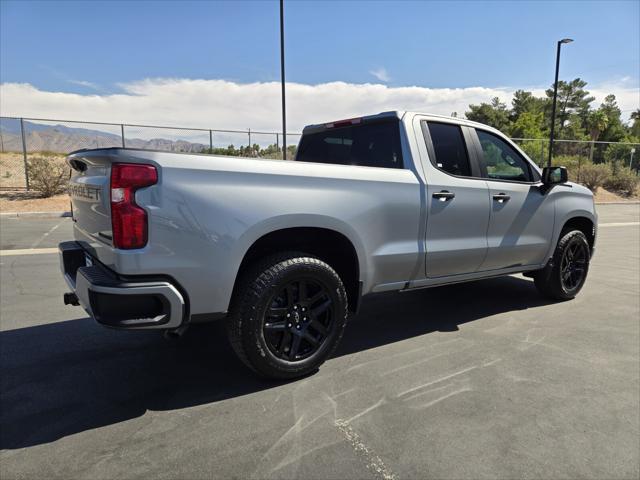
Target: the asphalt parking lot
pixel 477 380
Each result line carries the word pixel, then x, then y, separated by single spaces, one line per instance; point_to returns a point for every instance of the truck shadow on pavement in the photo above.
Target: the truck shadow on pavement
pixel 68 377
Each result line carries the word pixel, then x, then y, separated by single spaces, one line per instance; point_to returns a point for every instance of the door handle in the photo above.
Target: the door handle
pixel 501 197
pixel 444 195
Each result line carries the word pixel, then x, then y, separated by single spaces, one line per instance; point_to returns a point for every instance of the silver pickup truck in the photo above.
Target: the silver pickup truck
pixel 285 250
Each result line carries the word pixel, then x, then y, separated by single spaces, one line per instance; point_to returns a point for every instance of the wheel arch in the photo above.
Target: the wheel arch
pixel 583 223
pixel 329 245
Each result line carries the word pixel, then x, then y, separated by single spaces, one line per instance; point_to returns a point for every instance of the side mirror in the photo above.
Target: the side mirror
pixel 554 175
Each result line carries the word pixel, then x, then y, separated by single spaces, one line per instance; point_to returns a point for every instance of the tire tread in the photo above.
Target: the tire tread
pixel 253 284
pixel 547 280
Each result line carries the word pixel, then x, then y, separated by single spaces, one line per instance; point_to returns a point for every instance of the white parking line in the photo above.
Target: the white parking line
pixel 27 251
pixel 619 224
pixel 373 462
pixel 41 239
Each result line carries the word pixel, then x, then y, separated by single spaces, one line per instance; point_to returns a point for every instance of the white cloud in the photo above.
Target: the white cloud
pixel 627 95
pixel 220 104
pixel 625 89
pixel 84 83
pixel 381 74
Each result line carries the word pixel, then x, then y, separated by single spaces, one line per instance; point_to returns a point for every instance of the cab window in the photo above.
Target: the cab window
pixel 449 149
pixel 501 160
pixel 367 145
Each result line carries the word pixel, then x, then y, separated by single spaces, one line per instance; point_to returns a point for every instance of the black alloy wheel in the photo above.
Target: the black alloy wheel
pixel 288 315
pixel 566 272
pixel 299 320
pixel 573 265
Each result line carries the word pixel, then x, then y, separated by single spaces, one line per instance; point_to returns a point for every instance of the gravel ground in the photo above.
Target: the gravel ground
pixel 21 201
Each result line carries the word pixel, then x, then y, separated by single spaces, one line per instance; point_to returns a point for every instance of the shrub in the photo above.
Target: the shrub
pixel 625 182
pixel 573 163
pixel 618 152
pixel 48 176
pixel 594 176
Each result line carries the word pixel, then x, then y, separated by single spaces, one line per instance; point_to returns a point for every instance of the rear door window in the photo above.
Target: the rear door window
pixel 368 145
pixel 449 148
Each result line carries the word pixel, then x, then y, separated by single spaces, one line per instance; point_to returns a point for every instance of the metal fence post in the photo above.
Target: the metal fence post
pixel 24 154
pixel 249 141
pixel 122 133
pixel 210 141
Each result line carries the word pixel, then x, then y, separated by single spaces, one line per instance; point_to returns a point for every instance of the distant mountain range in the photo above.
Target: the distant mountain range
pixel 63 139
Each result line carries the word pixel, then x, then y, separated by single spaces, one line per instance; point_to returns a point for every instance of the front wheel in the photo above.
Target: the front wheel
pixel 566 272
pixel 288 315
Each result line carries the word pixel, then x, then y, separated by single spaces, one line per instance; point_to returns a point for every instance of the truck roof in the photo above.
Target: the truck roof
pixel 398 114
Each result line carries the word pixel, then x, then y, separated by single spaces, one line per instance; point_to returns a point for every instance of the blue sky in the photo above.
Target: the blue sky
pixel 61 45
pixel 216 64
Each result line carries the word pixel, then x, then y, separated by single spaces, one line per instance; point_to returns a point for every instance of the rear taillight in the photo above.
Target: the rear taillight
pixel 129 221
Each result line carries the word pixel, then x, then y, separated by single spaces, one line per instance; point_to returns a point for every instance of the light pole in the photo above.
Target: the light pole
pixel 555 97
pixel 284 110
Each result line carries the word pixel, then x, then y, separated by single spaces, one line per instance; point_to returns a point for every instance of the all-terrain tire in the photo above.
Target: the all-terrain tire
pixel 550 281
pixel 270 286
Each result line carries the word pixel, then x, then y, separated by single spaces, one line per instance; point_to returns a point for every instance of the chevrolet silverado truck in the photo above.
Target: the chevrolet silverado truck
pixel 285 250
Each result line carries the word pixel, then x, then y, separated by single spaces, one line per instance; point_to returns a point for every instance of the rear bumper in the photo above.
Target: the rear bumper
pixel 118 303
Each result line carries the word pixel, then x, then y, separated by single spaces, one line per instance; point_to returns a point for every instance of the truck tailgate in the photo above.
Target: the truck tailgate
pixel 89 192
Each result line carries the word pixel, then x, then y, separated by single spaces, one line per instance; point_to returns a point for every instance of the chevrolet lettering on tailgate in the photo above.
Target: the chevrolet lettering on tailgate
pixel 84 192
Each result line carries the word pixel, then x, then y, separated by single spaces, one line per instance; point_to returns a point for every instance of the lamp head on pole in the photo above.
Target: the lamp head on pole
pixel 566 40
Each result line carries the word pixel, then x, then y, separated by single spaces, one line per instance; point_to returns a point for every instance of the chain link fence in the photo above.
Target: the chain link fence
pixel 24 140
pixel 576 154
pixel 27 140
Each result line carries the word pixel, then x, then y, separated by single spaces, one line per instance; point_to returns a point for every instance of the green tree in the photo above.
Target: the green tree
pixel 615 131
pixel 619 155
pixel 572 99
pixel 529 125
pixel 596 123
pixel 635 127
pixel 526 102
pixel 494 114
pixel 270 151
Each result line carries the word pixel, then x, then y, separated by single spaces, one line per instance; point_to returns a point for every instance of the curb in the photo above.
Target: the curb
pixel 631 202
pixel 35 214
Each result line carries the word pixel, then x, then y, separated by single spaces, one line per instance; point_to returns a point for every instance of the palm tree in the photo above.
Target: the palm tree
pixel 635 125
pixel 596 122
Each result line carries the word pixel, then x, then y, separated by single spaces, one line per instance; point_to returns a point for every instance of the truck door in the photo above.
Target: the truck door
pixel 521 220
pixel 457 201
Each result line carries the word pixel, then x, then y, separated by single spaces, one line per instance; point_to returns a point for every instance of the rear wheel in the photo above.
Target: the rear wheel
pixel 288 315
pixel 566 272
